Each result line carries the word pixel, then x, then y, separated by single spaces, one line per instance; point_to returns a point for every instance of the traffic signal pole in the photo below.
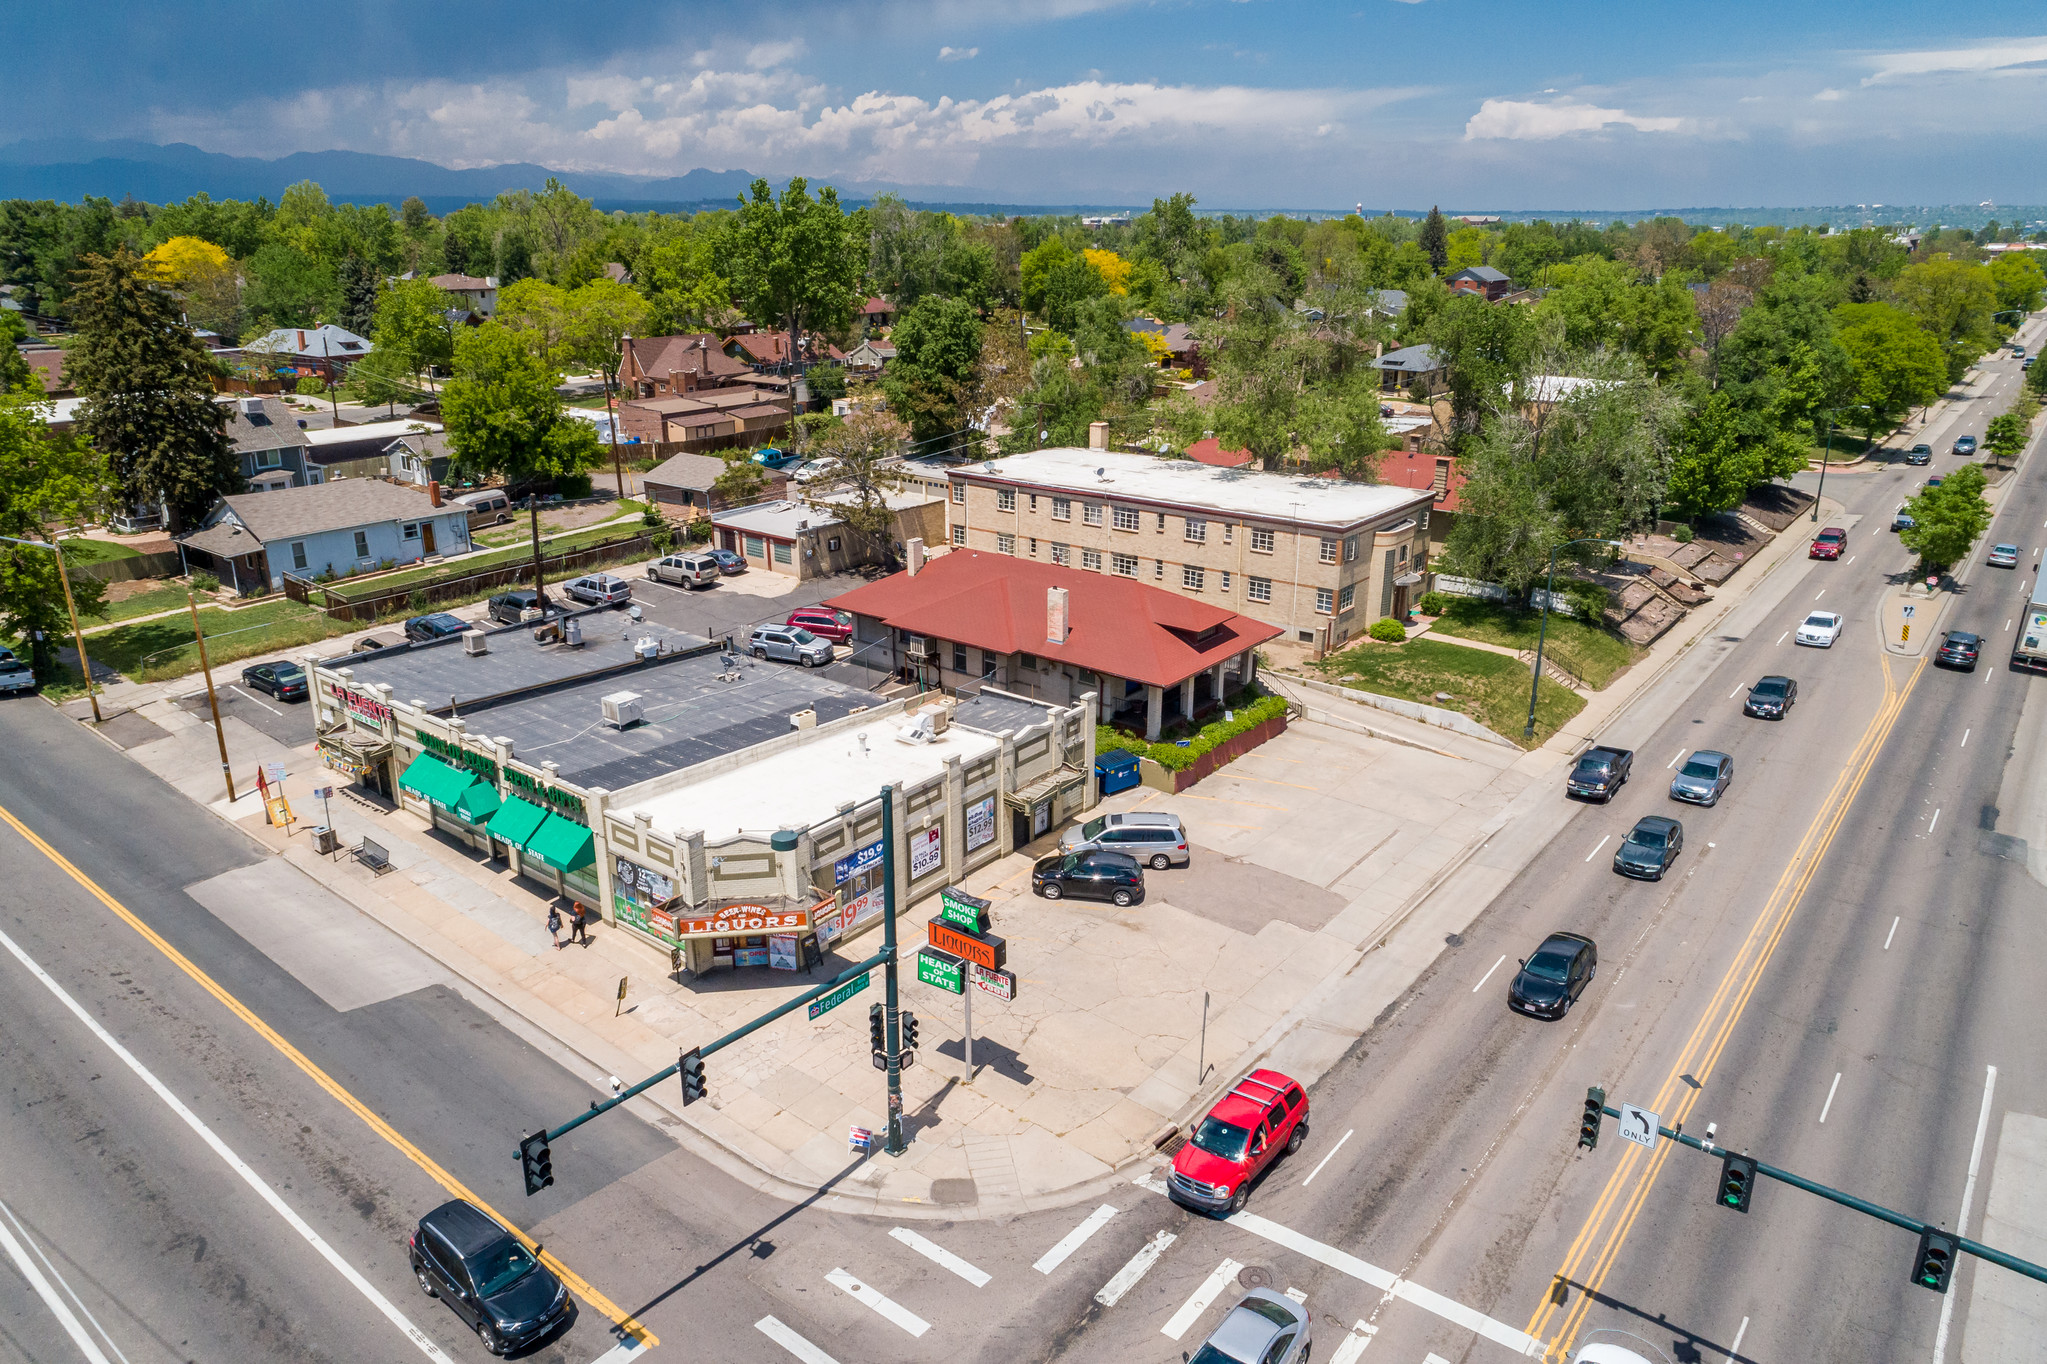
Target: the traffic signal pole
pixel 894 1144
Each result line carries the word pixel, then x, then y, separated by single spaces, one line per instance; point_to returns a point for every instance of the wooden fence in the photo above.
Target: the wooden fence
pixel 412 597
pixel 161 565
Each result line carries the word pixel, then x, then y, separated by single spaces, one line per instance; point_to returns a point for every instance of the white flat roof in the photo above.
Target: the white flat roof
pixel 806 784
pixel 348 435
pixel 1202 487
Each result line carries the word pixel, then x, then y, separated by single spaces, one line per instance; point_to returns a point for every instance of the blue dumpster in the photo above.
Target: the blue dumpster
pixel 1116 770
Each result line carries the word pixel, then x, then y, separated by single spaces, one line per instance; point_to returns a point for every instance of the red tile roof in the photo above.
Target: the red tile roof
pixel 772 348
pixel 877 305
pixel 1115 626
pixel 1211 451
pixel 657 357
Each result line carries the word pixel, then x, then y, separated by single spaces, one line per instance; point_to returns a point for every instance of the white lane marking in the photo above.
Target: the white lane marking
pixel 59 1309
pixel 1893 933
pixel 632 1347
pixel 1987 676
pixel 1947 1301
pixel 1297 1295
pixel 1597 846
pixel 1781 638
pixel 1851 559
pixel 1489 973
pixel 1965 738
pixel 1821 593
pixel 1345 1137
pixel 1682 751
pixel 1434 1358
pixel 1353 1347
pixel 1073 1240
pixel 1936 820
pixel 1198 1301
pixel 1138 1266
pixel 793 1343
pixel 883 1305
pixel 1738 690
pixel 1828 1106
pixel 939 1255
pixel 246 697
pixel 1734 1350
pixel 63 1283
pixel 234 1162
pixel 2007 625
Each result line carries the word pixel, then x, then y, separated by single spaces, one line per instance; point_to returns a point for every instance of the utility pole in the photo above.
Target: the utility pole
pixel 227 774
pixel 895 1145
pixel 611 406
pixel 539 588
pixel 77 635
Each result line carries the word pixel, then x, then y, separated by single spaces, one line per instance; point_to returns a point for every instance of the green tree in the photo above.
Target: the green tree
pixel 503 415
pixel 601 314
pixel 2004 438
pixel 796 263
pixel 1897 365
pixel 931 380
pixel 1953 301
pixel 741 482
pixel 2018 280
pixel 1712 467
pixel 413 327
pixel 1435 239
pixel 288 287
pixel 1485 351
pixel 1949 519
pixel 15 374
pixel 865 451
pixel 359 283
pixel 913 255
pixel 44 483
pixel 147 385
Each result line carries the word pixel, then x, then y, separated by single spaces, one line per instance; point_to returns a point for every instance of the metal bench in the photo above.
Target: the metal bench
pixel 373 855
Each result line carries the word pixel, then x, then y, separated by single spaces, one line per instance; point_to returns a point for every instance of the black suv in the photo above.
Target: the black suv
pixel 1959 650
pixel 488 1277
pixel 1096 875
pixel 440 625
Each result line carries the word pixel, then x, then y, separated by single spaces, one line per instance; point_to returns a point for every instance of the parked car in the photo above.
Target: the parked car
pixel 1959 650
pixel 1264 1115
pixel 1550 982
pixel 1904 520
pixel 1921 453
pixel 489 507
pixel 1827 544
pixel 1820 629
pixel 510 608
pixel 369 644
pixel 836 626
pixel 439 625
pixel 1769 698
pixel 1265 1328
pixel 285 681
pixel 2003 556
pixel 16 678
pixel 1704 778
pixel 1155 839
pixel 685 570
pixel 1094 875
pixel 1650 847
pixel 1600 772
pixel 1965 445
pixel 487 1276
pixel 789 644
pixel 730 562
pixel 599 589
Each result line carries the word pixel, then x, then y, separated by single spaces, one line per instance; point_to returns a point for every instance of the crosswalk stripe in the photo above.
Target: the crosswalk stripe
pixel 793 1343
pixel 938 1254
pixel 1126 1278
pixel 1073 1240
pixel 873 1297
pixel 1353 1347
pixel 1198 1301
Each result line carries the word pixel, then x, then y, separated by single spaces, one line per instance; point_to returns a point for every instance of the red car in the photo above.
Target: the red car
pixel 836 626
pixel 1263 1115
pixel 1827 545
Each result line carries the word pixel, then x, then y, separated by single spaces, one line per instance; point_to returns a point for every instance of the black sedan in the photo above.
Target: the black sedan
pixel 285 681
pixel 1550 982
pixel 1770 698
pixel 1650 847
pixel 488 1277
pixel 1094 875
pixel 439 625
pixel 1959 650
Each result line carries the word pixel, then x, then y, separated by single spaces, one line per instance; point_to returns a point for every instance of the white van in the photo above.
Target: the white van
pixel 490 507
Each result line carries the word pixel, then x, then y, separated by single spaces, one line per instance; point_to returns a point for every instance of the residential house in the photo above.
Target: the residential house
pixel 876 316
pixel 807 542
pixel 47 364
pixel 705 419
pixel 1182 350
pixel 472 294
pixel 1483 280
pixel 1410 367
pixel 1321 558
pixel 354 525
pixel 1418 459
pixel 420 457
pixel 617 273
pixel 680 486
pixel 670 366
pixel 360 451
pixel 1055 634
pixel 325 351
pixel 870 354
pixel 269 442
pixel 1389 302
pixel 770 350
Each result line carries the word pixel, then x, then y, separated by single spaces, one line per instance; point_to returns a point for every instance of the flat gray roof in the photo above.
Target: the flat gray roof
pixel 991 712
pixel 433 672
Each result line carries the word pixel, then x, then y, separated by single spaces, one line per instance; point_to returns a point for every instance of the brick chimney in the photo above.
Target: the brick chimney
pixel 433 491
pixel 1055 615
pixel 1097 435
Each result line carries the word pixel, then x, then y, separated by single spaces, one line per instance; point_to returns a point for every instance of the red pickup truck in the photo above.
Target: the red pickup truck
pixel 1264 1114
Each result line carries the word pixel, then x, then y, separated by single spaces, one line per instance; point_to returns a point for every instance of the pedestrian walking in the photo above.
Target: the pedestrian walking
pixel 554 926
pixel 579 921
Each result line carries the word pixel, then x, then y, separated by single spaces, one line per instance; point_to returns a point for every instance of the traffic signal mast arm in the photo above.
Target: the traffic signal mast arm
pixel 1861 1205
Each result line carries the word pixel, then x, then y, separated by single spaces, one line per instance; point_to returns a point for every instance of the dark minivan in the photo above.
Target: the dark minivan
pixel 487 1276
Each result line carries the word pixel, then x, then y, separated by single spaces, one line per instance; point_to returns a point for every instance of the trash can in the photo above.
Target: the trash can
pixel 1116 771
pixel 324 841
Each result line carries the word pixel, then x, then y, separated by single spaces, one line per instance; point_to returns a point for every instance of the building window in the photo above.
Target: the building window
pixel 1350 550
pixel 1126 518
pixel 1062 509
pixel 1059 555
pixel 1162 523
pixel 411 530
pixel 1348 597
pixel 1158 569
pixel 959 535
pixel 1005 544
pixel 832 544
pixel 987 663
pixel 1091 513
pixel 1028 662
pixel 298 554
pixel 1005 499
pixel 1258 589
pixel 1197 530
pixel 782 555
pixel 1034 546
pixel 1226 581
pixel 1091 559
pixel 362 544
pixel 1261 539
pixel 269 459
pixel 1402 557
pixel 1124 564
pixel 959 494
pixel 1034 501
pixel 1325 600
pixel 1425 518
pixel 1190 577
pixel 1328 551
pixel 756 548
pixel 959 658
pixel 1229 532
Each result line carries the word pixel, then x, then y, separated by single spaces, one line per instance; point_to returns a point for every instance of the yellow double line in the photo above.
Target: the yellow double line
pixel 1635 1174
pixel 625 1322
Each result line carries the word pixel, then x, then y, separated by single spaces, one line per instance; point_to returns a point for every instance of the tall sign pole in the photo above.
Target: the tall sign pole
pixel 895 1145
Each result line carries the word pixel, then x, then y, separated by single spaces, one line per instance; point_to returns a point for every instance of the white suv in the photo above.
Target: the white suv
pixel 685 570
pixel 1156 840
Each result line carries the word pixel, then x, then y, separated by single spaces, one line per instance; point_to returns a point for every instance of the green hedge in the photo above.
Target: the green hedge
pixel 1250 713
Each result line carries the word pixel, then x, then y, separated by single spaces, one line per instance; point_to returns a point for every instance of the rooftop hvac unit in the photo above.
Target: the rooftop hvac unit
pixel 475 642
pixel 252 407
pixel 622 709
pixel 572 633
pixel 647 647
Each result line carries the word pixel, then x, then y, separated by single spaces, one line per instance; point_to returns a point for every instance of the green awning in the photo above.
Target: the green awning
pixel 562 844
pixel 433 779
pixel 479 802
pixel 515 821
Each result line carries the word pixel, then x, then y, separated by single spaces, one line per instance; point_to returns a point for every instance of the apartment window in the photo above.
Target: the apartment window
pixel 1158 570
pixel 959 494
pixel 1261 539
pixel 756 548
pixel 1126 518
pixel 1028 662
pixel 1402 555
pixel 362 544
pixel 1005 499
pixel 1229 532
pixel 1348 597
pixel 1091 513
pixel 959 535
pixel 1258 589
pixel 1162 523
pixel 411 530
pixel 1091 559
pixel 1060 555
pixel 987 663
pixel 1190 578
pixel 1005 544
pixel 959 658
pixel 1328 551
pixel 1325 600
pixel 298 554
pixel 1124 564
pixel 1350 550
pixel 1034 501
pixel 1425 519
pixel 269 459
pixel 1225 582
pixel 1062 509
pixel 1034 546
pixel 1197 530
pixel 782 554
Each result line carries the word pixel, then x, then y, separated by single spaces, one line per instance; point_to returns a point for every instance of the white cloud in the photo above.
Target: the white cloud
pixel 1996 55
pixel 958 54
pixel 1828 96
pixel 1527 121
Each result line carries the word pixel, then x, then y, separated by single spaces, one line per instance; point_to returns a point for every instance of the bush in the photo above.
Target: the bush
pixel 1388 631
pixel 1433 603
pixel 699 530
pixel 650 518
pixel 418 601
pixel 205 583
pixel 312 386
pixel 573 486
pixel 1588 599
pixel 826 381
pixel 1250 709
pixel 1684 535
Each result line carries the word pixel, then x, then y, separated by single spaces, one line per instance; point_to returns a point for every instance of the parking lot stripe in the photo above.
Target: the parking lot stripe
pixel 1198 1301
pixel 939 1255
pixel 246 697
pixel 1074 1240
pixel 883 1305
pixel 1138 1266
pixel 793 1343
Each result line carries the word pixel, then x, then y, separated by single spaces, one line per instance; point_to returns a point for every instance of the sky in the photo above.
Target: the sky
pixel 1473 104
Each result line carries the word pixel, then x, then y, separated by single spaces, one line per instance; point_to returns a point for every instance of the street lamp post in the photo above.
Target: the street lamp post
pixel 77 635
pixel 1825 457
pixel 1542 632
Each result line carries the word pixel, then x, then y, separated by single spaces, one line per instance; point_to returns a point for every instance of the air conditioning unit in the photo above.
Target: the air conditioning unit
pixel 622 709
pixel 922 646
pixel 475 642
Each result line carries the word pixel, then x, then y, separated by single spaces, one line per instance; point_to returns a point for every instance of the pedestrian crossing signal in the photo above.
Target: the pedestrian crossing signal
pixel 1737 1182
pixel 1588 1126
pixel 692 1077
pixel 538 1162
pixel 1936 1260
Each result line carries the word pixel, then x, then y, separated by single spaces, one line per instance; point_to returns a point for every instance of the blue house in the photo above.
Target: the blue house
pixel 344 527
pixel 269 442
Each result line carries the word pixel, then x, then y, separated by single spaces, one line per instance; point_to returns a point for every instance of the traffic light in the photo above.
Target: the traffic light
pixel 909 1031
pixel 534 1155
pixel 1737 1182
pixel 692 1077
pixel 1588 1126
pixel 1936 1260
pixel 877 1028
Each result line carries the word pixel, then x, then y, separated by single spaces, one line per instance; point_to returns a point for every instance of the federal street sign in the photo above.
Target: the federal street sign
pixel 984 949
pixel 962 910
pixel 942 969
pixel 1001 984
pixel 824 1004
pixel 1638 1125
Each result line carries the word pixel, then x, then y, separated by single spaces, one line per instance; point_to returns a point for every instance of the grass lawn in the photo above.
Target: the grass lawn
pixel 476 563
pixel 168 598
pixel 83 551
pixel 1586 651
pixel 1846 449
pixel 152 650
pixel 1491 688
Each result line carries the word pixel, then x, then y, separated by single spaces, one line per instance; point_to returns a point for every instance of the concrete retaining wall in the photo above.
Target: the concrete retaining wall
pixel 1413 710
